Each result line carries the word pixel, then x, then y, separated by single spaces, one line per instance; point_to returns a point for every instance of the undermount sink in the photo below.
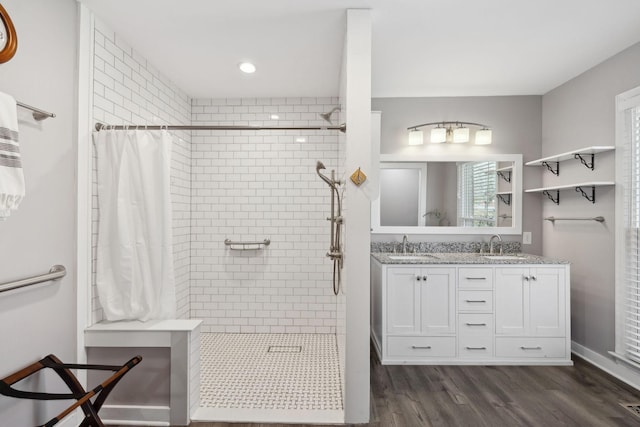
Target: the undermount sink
pixel 504 257
pixel 411 257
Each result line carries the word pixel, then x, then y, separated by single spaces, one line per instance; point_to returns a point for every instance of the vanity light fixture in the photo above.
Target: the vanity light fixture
pixel 461 135
pixel 483 136
pixel 451 131
pixel 416 137
pixel 438 135
pixel 247 67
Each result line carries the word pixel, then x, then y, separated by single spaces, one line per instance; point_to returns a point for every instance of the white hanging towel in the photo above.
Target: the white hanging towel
pixel 134 265
pixel 11 175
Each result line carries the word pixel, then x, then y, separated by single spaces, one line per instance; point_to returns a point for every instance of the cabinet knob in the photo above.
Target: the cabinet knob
pixel 418 278
pixel 526 278
pixel 534 278
pixel 424 278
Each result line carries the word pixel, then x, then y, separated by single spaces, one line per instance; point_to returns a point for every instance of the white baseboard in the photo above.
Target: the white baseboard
pixel 620 371
pixel 134 415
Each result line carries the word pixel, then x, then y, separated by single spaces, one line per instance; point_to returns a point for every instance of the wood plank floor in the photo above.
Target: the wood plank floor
pixel 421 396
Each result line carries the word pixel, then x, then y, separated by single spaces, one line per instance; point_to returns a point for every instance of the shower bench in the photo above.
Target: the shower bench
pixel 181 338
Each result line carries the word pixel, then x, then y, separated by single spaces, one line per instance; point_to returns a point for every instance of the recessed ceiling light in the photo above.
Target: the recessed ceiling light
pixel 275 117
pixel 301 139
pixel 247 67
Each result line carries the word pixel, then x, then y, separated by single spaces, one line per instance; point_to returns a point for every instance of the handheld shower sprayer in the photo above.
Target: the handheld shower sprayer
pixel 326 179
pixel 335 248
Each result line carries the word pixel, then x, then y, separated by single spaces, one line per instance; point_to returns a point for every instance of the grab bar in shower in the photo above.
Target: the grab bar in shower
pixel 246 246
pixel 56 272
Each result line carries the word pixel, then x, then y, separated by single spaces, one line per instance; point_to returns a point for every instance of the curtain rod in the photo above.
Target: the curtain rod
pixel 101 126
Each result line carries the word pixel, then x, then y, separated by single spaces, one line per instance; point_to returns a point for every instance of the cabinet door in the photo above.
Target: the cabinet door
pixel 437 300
pixel 547 302
pixel 403 301
pixel 512 301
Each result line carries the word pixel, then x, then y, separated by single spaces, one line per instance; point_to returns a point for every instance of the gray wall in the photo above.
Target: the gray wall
pixel 516 123
pixel 581 113
pixel 39 320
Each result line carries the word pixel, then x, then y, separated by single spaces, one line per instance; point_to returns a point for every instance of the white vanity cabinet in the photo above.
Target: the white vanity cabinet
pixel 471 314
pixel 421 302
pixel 419 312
pixel 531 312
pixel 475 313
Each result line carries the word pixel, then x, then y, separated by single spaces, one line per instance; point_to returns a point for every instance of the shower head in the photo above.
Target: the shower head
pixel 327 116
pixel 320 165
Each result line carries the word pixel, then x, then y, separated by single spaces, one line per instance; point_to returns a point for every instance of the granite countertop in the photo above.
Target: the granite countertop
pixel 463 258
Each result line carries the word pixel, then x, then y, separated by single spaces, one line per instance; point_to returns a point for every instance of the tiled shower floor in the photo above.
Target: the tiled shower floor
pixel 270 372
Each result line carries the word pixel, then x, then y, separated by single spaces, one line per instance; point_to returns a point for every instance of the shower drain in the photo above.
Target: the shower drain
pixel 284 349
pixel 632 407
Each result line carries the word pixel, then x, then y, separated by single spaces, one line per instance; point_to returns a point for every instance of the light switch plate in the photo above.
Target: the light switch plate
pixel 526 237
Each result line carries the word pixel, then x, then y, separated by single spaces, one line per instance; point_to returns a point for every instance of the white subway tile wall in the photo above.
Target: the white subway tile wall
pixel 252 185
pixel 129 90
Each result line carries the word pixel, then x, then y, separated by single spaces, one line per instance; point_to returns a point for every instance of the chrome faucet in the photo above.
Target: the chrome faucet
pixel 491 243
pixel 404 244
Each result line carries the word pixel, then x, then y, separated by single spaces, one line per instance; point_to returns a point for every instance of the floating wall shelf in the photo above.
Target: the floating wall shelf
pixel 505 173
pixel 585 155
pixel 505 196
pixel 547 191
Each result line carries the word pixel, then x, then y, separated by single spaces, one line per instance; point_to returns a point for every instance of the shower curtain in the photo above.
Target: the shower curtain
pixel 134 264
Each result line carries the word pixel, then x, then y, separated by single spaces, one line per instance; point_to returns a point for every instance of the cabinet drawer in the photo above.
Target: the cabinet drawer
pixel 530 347
pixel 421 346
pixel 475 301
pixel 475 347
pixel 475 325
pixel 475 278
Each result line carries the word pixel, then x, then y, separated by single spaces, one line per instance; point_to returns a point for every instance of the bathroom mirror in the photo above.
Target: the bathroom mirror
pixel 449 194
pixel 8 37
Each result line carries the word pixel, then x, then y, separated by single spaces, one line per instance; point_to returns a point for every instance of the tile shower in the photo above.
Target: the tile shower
pixel 245 186
pixel 253 186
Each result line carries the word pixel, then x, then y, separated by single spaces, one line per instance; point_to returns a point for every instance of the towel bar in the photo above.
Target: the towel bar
pixel 597 218
pixel 38 114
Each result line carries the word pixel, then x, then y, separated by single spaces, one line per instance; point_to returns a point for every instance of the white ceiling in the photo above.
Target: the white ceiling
pixel 420 47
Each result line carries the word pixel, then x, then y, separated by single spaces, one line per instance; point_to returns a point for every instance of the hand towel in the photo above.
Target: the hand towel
pixel 11 175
